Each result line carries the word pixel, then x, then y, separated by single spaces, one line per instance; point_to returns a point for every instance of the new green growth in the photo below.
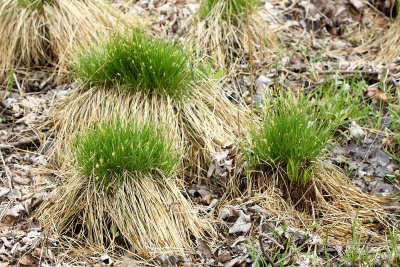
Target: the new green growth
pixel 293 135
pixel 138 62
pixel 110 152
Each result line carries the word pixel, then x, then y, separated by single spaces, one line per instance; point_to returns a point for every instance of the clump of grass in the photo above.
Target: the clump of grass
pixel 110 150
pixel 232 10
pixel 292 138
pixel 137 61
pixel 44 33
pixel 144 212
pixel 138 78
pixel 225 32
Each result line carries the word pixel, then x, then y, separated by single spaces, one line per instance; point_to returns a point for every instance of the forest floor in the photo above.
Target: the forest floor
pixel 321 43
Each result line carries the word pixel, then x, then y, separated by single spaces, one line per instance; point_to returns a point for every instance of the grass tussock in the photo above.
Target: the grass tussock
pixel 221 31
pixel 337 202
pixel 143 211
pixel 106 152
pixel 292 137
pixel 289 178
pixel 43 34
pixel 200 118
pixel 138 62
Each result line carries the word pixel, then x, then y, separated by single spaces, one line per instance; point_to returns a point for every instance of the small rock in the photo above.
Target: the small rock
pixel 105 260
pixel 356 131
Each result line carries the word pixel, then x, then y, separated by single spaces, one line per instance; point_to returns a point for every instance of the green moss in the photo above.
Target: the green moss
pixel 138 62
pixel 110 152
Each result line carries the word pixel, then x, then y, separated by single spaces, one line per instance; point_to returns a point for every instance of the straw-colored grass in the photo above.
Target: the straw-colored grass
pixel 42 34
pixel 336 204
pixel 147 214
pixel 130 205
pixel 223 34
pixel 383 45
pixel 388 45
pixel 200 122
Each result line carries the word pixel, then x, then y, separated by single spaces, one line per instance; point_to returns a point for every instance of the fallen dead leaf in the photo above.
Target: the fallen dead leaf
pixel 242 225
pixel 206 199
pixel 42 254
pixel 224 257
pixel 203 249
pixel 4 191
pixel 27 260
pixel 380 97
pixel 21 180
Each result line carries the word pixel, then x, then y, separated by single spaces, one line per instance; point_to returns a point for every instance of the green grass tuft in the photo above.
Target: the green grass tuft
pixel 138 62
pixel 109 151
pixel 292 137
pixel 34 4
pixel 233 9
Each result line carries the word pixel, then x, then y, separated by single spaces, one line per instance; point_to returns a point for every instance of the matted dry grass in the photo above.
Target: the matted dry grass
pixel 198 126
pixel 42 34
pixel 388 46
pixel 383 46
pixel 147 215
pixel 337 205
pixel 227 40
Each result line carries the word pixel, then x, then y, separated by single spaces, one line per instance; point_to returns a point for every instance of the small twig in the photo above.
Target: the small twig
pixel 266 256
pixel 365 72
pixel 272 240
pixel 294 251
pixel 249 37
pixel 6 171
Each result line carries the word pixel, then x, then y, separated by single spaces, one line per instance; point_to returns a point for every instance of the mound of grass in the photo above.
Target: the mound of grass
pixel 44 34
pixel 109 151
pixel 232 10
pixel 118 195
pixel 138 62
pixel 292 137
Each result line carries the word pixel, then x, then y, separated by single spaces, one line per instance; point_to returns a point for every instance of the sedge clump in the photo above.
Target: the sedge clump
pixel 110 151
pixel 120 193
pixel 138 62
pixel 292 137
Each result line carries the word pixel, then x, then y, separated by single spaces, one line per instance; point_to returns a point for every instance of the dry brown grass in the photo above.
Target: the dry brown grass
pixel 199 125
pixel 337 204
pixel 387 47
pixel 147 215
pixel 227 40
pixel 44 35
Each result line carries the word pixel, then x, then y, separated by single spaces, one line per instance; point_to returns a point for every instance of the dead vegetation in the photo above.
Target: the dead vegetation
pixel 38 34
pixel 226 32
